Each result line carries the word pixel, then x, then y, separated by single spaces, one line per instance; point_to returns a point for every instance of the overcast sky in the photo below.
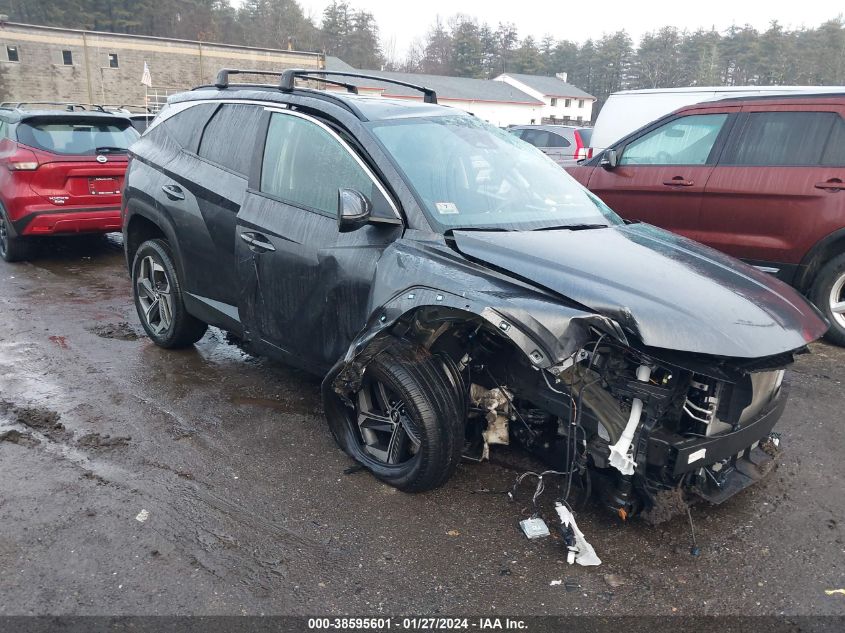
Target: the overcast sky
pixel 406 20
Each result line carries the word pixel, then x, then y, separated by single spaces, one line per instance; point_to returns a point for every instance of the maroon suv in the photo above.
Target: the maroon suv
pixel 760 178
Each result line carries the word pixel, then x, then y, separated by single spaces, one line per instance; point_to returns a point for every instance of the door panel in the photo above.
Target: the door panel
pixel 640 193
pixel 307 296
pixel 225 162
pixel 770 199
pixel 303 285
pixel 770 214
pixel 662 174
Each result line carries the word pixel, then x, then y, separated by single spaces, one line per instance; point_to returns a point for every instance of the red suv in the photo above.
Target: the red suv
pixel 61 172
pixel 760 178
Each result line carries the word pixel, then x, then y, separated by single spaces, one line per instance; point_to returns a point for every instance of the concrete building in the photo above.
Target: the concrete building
pixel 562 102
pixel 503 101
pixel 39 63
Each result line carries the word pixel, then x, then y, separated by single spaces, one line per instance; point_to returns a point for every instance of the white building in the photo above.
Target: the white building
pixel 561 101
pixel 501 102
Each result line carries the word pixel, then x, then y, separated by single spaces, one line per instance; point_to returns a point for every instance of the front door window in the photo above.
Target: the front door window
pixel 684 141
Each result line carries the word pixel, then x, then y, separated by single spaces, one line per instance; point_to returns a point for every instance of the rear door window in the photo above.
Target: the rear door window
pixel 686 140
pixel 537 138
pixel 556 140
pixel 781 138
pixel 77 136
pixel 229 138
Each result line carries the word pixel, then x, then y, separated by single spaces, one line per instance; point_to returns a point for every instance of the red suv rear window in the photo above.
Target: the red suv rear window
pixel 76 136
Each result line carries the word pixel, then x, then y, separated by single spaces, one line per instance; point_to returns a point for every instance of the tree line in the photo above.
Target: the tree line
pixel 467 47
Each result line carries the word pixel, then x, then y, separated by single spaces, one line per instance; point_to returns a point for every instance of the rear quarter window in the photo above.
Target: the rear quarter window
pixel 76 136
pixel 586 135
pixel 185 127
pixel 782 139
pixel 834 152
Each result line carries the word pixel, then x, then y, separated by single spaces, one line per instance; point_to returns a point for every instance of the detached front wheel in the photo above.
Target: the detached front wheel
pixel 408 422
pixel 158 298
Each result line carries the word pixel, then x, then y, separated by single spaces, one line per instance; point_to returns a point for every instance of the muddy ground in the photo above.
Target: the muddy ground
pixel 135 480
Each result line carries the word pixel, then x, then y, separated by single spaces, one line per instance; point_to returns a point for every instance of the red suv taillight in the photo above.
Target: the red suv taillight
pixel 20 160
pixel 581 152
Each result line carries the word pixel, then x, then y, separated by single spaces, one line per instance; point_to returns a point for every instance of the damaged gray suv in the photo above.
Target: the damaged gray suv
pixel 457 290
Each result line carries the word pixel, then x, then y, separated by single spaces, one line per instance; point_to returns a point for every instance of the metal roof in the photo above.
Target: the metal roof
pixel 459 88
pixel 549 86
pixel 447 88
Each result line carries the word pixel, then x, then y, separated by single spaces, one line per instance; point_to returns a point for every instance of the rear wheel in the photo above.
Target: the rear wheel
pixel 158 298
pixel 408 422
pixel 828 293
pixel 12 249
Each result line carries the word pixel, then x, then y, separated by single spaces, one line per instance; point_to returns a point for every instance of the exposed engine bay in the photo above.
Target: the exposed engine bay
pixel 643 434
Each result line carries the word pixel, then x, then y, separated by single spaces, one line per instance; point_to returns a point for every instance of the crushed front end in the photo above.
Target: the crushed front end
pixel 645 432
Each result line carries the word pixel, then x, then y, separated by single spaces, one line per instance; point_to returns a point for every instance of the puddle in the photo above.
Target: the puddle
pixel 121 331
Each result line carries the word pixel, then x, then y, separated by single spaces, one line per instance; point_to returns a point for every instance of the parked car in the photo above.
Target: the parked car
pixel 139 115
pixel 760 178
pixel 626 111
pixel 457 290
pixel 564 144
pixel 61 172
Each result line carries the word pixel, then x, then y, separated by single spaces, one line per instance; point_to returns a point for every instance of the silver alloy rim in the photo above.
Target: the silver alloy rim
pixel 153 288
pixel 389 434
pixel 837 300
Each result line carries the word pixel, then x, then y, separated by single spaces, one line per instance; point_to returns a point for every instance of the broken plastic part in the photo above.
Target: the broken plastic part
pixel 534 528
pixel 581 552
pixel 620 453
pixel 496 403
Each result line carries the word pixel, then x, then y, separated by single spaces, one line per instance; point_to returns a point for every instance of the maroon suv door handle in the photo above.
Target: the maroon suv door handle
pixel 834 184
pixel 679 181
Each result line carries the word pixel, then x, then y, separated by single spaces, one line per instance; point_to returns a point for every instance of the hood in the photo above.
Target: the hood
pixel 666 290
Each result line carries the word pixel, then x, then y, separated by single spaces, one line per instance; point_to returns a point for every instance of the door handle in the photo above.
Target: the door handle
pixel 173 192
pixel 258 242
pixel 834 184
pixel 679 181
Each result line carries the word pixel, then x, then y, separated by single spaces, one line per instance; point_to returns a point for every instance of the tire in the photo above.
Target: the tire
pixel 12 249
pixel 427 405
pixel 157 292
pixel 828 289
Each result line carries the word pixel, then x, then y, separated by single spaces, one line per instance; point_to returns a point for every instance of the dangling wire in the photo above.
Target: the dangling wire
pixel 538 491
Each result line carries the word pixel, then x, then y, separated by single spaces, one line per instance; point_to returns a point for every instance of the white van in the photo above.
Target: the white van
pixel 628 110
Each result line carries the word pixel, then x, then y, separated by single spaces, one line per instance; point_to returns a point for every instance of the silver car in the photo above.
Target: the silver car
pixel 564 144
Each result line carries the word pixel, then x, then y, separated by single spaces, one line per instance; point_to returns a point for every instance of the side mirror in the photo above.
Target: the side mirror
pixel 353 210
pixel 609 160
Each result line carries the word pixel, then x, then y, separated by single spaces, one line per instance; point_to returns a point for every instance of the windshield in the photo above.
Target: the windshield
pixel 77 136
pixel 469 174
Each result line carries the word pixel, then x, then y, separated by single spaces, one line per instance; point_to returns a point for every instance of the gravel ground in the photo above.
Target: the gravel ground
pixel 135 480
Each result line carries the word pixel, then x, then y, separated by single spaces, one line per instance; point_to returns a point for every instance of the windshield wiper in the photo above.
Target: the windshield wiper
pixel 573 227
pixel 108 149
pixel 500 229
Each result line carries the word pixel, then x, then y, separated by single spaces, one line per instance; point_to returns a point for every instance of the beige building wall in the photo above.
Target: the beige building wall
pixel 107 67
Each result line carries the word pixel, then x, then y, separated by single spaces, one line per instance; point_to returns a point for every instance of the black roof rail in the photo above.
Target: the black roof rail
pixel 69 106
pixel 222 81
pixel 289 77
pixel 108 107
